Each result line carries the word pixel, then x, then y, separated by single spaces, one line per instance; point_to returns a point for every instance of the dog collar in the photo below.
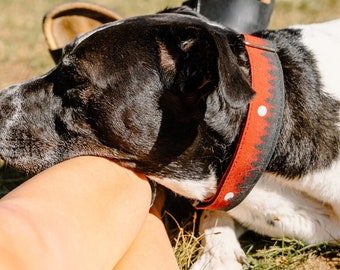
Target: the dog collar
pixel 260 131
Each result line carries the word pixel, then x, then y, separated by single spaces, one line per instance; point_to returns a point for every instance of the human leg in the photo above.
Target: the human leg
pixel 81 214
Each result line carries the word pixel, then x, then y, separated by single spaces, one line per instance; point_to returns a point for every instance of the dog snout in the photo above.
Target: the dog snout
pixel 26 118
pixel 24 103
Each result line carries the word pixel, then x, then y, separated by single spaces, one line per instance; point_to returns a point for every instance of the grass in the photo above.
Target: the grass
pixel 186 244
pixel 263 253
pixel 24 54
pixel 290 254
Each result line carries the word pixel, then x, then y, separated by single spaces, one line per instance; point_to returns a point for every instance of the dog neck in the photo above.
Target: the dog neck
pixel 261 129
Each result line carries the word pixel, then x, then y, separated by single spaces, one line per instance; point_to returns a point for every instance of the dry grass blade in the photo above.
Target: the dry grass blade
pixel 186 244
pixel 290 254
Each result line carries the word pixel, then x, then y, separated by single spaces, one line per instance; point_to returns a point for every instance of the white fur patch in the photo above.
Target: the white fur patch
pixel 323 185
pixel 323 39
pixel 194 189
pixel 277 207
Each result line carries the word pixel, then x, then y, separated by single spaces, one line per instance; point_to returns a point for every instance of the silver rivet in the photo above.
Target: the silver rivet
pixel 262 110
pixel 229 196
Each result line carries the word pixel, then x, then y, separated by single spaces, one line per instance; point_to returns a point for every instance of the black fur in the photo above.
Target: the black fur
pixel 309 138
pixel 165 95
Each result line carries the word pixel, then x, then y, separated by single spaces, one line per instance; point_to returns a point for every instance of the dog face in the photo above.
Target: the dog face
pixel 157 94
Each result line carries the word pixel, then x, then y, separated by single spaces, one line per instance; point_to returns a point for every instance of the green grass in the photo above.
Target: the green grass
pixel 24 54
pixel 289 254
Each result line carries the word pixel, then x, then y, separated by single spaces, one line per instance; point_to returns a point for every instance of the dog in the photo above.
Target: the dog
pixel 168 95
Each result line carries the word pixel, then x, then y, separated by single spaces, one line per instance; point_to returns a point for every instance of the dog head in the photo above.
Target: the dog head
pixel 161 94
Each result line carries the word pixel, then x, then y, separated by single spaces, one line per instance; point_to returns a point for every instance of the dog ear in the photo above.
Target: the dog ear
pixel 201 63
pixel 233 85
pixel 187 63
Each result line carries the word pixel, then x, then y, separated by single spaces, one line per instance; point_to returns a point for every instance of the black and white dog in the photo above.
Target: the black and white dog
pixel 168 95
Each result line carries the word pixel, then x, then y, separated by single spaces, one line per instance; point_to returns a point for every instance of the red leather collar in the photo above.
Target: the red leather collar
pixel 261 129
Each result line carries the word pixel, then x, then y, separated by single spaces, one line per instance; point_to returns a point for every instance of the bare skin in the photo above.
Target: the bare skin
pixel 85 213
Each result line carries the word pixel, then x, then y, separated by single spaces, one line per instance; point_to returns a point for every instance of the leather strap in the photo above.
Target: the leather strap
pixel 261 129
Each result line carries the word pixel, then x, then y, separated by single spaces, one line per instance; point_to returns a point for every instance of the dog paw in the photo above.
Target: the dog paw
pixel 241 257
pixel 212 262
pixel 221 247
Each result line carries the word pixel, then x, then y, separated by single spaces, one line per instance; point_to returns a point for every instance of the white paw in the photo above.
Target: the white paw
pixel 221 247
pixel 209 261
